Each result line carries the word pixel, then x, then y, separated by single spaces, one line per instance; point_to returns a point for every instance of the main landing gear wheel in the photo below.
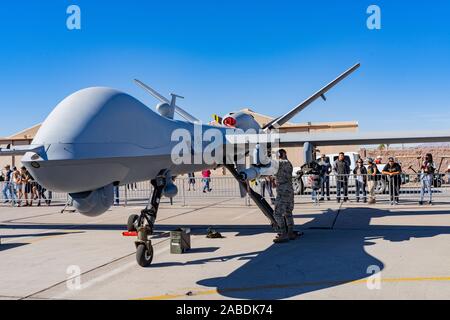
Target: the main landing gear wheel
pixel 144 255
pixel 131 222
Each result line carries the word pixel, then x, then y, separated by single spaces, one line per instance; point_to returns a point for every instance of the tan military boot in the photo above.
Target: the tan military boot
pixel 281 238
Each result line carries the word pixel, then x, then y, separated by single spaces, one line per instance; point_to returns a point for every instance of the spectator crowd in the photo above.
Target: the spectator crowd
pixel 366 176
pixel 20 189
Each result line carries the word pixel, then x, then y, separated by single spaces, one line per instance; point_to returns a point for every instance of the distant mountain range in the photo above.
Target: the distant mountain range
pixel 412 146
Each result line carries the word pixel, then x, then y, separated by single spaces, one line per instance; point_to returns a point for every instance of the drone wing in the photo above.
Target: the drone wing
pixel 21 150
pixel 278 122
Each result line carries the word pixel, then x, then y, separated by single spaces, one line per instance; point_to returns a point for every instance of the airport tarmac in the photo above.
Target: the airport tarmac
pixel 407 247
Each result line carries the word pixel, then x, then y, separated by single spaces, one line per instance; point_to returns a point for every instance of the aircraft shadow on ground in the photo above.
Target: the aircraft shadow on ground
pixel 8 246
pixel 321 259
pixel 326 256
pixel 31 235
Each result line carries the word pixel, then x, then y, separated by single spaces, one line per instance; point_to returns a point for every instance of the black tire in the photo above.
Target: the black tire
pixel 130 222
pixel 437 182
pixel 144 256
pixel 381 186
pixel 297 183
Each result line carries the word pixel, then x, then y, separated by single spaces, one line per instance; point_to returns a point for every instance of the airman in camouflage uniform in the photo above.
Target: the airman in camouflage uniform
pixel 284 203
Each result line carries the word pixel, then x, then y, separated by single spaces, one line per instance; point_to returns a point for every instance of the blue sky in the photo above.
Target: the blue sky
pixel 225 55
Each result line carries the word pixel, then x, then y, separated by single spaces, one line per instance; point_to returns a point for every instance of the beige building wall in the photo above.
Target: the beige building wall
pixel 21 138
pixel 295 154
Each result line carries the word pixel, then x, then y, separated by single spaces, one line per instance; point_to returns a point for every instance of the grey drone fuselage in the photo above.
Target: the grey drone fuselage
pixel 98 137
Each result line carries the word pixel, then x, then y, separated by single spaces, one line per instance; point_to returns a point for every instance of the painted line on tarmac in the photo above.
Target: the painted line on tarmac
pixel 104 277
pixel 291 286
pixel 193 210
pixel 82 274
pixel 244 214
pixel 36 236
pixel 30 217
pixel 115 260
pixel 3 297
pixel 111 273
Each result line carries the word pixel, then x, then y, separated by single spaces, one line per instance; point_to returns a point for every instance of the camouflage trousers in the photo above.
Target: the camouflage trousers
pixel 284 205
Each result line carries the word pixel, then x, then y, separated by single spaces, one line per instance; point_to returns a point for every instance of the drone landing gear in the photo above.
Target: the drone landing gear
pixel 259 200
pixel 143 224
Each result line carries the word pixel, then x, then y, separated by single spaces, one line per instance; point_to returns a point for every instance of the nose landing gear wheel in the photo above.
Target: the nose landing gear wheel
pixel 144 255
pixel 145 222
pixel 130 223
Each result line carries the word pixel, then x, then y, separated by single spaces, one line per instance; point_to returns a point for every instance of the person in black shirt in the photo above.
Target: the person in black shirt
pixel 360 174
pixel 392 171
pixel 191 181
pixel 326 170
pixel 27 180
pixel 341 170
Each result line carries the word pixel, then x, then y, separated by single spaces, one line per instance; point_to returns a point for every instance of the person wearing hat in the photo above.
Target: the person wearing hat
pixel 284 202
pixel 372 179
pixel 393 170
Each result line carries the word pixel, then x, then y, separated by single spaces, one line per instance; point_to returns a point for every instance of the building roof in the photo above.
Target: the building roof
pixel 28 133
pixel 264 119
pixel 22 137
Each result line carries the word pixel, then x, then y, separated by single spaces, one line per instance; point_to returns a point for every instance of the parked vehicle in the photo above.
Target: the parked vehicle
pixel 300 180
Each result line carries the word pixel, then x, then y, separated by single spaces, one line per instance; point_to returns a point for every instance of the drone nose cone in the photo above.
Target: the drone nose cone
pixel 85 133
pixel 94 115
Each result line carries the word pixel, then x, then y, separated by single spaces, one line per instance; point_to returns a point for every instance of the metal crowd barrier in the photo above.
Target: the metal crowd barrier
pixel 188 188
pixel 10 192
pixel 227 187
pixel 409 187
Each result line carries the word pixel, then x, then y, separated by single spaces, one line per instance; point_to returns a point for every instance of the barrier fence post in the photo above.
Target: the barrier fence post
pixel 183 191
pixel 126 195
pixel 390 188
